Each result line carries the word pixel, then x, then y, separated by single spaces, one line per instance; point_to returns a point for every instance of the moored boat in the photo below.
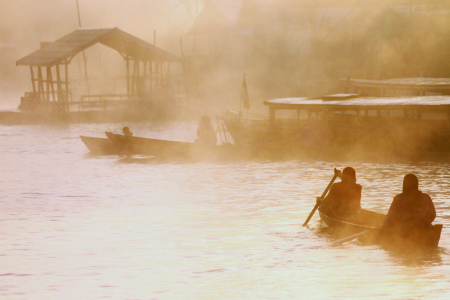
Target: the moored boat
pixel 368 223
pixel 169 149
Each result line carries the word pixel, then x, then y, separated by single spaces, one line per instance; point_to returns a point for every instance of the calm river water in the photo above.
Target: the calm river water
pixel 77 226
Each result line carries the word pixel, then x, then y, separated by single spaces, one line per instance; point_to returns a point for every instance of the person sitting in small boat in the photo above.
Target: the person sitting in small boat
pixel 412 209
pixel 126 131
pixel 206 133
pixel 344 198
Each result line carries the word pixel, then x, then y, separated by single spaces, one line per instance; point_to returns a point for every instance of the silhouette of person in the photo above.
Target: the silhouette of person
pixel 412 209
pixel 344 198
pixel 206 133
pixel 126 131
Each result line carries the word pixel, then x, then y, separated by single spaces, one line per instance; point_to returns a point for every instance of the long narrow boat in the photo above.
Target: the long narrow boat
pixel 368 220
pixel 168 149
pixel 99 146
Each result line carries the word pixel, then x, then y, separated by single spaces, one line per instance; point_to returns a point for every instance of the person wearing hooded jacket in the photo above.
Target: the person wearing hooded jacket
pixel 344 198
pixel 412 209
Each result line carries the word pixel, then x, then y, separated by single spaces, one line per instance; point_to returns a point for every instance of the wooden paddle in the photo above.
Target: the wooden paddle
pixel 352 237
pixel 337 173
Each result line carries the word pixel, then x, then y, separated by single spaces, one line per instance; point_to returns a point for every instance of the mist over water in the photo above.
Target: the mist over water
pixel 286 48
pixel 78 226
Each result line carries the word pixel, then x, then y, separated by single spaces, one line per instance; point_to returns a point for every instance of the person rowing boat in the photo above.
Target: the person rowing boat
pixel 344 198
pixel 407 226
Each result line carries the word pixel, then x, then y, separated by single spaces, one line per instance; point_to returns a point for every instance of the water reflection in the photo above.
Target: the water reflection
pixel 429 258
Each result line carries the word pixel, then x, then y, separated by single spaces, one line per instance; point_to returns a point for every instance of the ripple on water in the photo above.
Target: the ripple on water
pixel 133 227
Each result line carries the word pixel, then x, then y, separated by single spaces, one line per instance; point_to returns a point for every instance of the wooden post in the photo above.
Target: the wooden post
pixel 48 88
pixel 41 85
pixel 59 89
pixel 66 71
pixel 158 77
pixel 150 71
pixel 50 84
pixel 128 75
pixel 135 76
pixel 144 75
pixel 33 79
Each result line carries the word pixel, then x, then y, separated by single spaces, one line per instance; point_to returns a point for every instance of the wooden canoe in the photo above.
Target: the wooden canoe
pixel 364 221
pixel 169 149
pixel 99 146
pixel 427 238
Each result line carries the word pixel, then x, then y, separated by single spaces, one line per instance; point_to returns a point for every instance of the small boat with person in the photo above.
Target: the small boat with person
pixel 169 149
pixel 367 227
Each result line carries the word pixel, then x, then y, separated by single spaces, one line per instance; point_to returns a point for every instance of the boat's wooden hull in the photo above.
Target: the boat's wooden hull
pixel 424 238
pixel 427 238
pixel 364 221
pixel 166 149
pixel 99 146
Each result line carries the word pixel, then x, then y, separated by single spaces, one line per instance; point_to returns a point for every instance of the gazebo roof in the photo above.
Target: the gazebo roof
pixel 68 46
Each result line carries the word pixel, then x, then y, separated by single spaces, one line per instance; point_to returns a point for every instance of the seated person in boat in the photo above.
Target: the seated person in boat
pixel 126 131
pixel 344 198
pixel 206 133
pixel 410 210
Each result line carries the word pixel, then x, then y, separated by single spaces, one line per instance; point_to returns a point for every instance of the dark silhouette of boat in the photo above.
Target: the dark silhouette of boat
pixel 172 150
pixel 366 228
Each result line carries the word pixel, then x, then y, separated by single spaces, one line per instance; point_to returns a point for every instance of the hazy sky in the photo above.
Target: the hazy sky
pixel 26 23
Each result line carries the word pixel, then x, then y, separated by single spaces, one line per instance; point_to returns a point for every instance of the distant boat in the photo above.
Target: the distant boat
pixel 169 149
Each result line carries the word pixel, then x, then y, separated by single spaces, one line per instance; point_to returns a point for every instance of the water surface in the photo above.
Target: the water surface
pixel 77 226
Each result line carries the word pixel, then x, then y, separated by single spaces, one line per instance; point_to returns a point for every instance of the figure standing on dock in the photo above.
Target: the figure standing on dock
pixel 206 133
